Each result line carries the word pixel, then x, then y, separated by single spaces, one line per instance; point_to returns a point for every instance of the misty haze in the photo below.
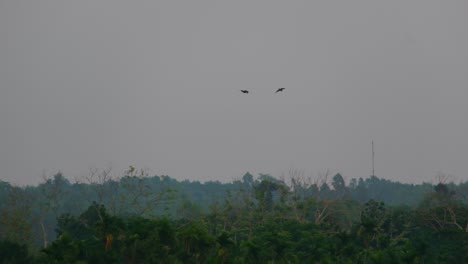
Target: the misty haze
pixel 233 132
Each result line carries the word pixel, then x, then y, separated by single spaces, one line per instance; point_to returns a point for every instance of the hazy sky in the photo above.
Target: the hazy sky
pixel 155 84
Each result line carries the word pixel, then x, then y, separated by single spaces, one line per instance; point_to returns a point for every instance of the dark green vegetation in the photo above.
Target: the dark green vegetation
pixel 141 219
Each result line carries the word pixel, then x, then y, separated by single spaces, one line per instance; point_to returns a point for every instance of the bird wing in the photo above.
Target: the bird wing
pixel 279 90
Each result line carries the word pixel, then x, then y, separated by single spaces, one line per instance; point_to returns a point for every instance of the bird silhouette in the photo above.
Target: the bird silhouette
pixel 280 90
pixel 244 91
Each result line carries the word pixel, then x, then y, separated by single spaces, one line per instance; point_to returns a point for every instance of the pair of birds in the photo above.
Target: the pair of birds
pixel 279 90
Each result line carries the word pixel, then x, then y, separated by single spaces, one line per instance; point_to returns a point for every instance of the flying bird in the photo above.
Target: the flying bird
pixel 280 90
pixel 244 91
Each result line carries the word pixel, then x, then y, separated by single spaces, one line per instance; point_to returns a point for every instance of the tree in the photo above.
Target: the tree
pixel 339 185
pixel 265 190
pixel 196 243
pixel 11 252
pixel 248 179
pixel 15 216
pixel 372 221
pixel 52 191
pixel 442 209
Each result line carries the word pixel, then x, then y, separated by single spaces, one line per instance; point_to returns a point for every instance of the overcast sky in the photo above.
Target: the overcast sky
pixel 155 84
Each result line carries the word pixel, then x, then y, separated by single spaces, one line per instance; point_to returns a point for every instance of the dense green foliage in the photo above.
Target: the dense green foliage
pixel 140 219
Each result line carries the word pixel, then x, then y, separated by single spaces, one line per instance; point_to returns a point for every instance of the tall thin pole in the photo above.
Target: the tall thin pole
pixel 373 155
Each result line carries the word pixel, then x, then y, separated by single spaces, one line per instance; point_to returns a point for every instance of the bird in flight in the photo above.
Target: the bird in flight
pixel 280 90
pixel 244 91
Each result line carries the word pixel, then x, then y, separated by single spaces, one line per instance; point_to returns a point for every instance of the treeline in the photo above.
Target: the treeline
pixel 142 219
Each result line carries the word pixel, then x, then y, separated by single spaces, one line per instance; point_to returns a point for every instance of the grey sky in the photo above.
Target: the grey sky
pixel 156 84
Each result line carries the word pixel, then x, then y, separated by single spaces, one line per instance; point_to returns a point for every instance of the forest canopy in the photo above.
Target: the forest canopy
pixel 152 219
